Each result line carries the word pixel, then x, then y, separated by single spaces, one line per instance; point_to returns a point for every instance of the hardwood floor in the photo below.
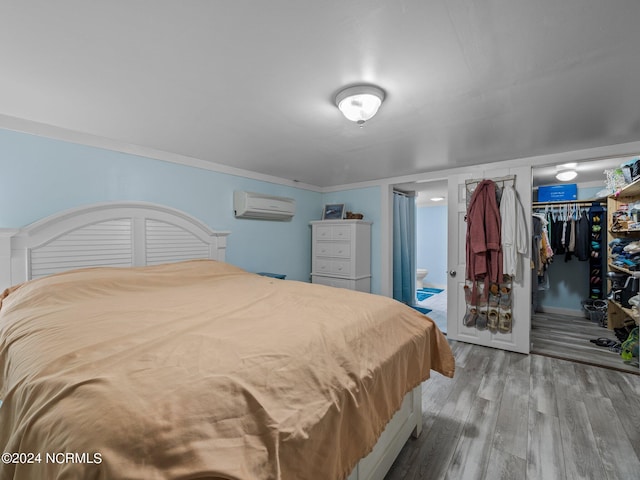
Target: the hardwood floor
pixel 568 337
pixel 510 416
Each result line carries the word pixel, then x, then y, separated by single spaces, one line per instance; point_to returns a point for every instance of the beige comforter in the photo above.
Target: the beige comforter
pixel 201 370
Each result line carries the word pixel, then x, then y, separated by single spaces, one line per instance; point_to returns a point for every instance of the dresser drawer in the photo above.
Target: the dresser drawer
pixel 333 232
pixel 341 250
pixel 333 249
pixel 341 232
pixel 361 285
pixel 334 282
pixel 332 267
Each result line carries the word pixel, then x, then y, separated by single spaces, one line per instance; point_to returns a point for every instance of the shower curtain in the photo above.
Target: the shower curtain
pixel 404 248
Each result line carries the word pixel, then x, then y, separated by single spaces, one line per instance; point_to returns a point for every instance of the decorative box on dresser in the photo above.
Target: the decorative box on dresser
pixel 341 254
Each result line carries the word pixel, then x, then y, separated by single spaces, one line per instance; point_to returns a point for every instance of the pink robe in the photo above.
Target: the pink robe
pixel 484 253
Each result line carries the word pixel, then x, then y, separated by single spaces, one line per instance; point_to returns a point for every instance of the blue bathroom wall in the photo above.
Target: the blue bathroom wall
pixel 568 280
pixel 41 176
pixel 431 244
pixel 368 202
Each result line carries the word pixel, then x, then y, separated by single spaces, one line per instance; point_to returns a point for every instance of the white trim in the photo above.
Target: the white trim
pixel 56 133
pixel 386 240
pixel 84 236
pixel 35 128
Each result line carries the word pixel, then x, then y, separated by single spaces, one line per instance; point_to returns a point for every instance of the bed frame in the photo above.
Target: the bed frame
pixel 126 234
pixel 105 234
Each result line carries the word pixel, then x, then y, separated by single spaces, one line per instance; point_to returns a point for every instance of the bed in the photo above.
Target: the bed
pixel 170 363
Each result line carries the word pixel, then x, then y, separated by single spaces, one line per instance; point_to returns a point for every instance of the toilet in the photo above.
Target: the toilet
pixel 420 274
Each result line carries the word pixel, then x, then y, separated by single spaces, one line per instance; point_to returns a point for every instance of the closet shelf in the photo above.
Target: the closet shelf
pixel 629 312
pixel 626 230
pixel 631 190
pixel 621 269
pixel 616 314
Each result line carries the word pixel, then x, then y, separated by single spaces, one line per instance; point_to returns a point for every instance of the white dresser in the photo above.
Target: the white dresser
pixel 341 254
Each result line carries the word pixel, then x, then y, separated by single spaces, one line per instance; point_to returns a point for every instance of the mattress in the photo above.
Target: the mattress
pixel 200 369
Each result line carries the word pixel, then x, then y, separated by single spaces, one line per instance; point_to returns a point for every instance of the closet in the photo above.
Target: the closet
pixel 570 232
pixel 587 332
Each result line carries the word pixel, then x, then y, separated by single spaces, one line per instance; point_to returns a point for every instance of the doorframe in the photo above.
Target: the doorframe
pixel 386 224
pixel 519 338
pixel 386 189
pixel 521 290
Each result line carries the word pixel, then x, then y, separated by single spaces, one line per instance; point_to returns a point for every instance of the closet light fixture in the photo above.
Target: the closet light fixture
pixel 566 175
pixel 360 102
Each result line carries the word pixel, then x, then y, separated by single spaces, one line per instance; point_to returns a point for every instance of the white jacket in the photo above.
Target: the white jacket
pixel 514 237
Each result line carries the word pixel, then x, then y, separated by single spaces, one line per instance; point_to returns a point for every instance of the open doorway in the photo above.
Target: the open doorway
pixel 431 248
pixel 564 322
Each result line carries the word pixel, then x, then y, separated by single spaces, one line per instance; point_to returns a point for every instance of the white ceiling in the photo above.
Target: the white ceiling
pixel 251 84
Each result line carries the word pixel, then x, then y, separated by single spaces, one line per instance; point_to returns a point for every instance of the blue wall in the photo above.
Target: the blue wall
pixel 568 284
pixel 40 176
pixel 431 230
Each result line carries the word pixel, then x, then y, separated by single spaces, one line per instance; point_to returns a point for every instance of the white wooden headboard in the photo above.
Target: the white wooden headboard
pixel 105 234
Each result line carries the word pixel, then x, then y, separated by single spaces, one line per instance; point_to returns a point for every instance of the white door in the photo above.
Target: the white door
pixel 518 339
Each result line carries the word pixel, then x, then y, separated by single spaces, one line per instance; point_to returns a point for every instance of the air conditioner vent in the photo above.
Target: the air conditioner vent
pixel 261 206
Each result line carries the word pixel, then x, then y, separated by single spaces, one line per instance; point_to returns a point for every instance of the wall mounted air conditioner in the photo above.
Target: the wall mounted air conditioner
pixel 265 207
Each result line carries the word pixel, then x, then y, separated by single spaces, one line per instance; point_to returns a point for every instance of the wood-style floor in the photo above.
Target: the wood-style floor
pixel 510 416
pixel 569 337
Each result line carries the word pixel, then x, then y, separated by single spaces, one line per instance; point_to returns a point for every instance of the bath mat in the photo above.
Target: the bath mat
pixel 421 310
pixel 423 295
pixel 431 290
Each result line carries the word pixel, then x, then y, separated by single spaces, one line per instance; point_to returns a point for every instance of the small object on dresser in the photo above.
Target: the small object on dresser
pixel 354 216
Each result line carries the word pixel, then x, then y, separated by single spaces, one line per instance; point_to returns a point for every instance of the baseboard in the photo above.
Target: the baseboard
pixel 560 311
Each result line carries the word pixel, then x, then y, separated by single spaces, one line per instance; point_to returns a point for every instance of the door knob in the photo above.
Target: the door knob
pixel 452 273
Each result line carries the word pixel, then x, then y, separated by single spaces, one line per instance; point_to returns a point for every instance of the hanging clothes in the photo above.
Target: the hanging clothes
pixel 583 245
pixel 557 234
pixel 514 237
pixel 571 239
pixel 542 254
pixel 483 246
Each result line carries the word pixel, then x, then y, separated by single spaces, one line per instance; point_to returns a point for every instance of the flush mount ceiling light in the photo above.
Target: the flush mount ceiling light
pixel 436 199
pixel 359 103
pixel 566 175
pixel 567 166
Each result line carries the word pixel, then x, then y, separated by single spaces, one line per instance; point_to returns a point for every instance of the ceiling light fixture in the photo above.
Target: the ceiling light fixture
pixel 437 199
pixel 359 103
pixel 566 175
pixel 567 166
